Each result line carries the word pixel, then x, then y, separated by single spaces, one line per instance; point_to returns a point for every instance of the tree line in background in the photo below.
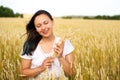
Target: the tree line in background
pixel 115 17
pixel 7 12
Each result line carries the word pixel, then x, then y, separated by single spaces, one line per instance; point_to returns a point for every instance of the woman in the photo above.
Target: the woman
pixel 40 46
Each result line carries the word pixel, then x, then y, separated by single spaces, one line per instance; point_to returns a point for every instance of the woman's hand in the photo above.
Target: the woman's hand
pixel 47 62
pixel 59 49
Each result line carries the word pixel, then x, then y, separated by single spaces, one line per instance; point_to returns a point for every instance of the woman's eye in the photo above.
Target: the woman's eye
pixel 46 22
pixel 38 26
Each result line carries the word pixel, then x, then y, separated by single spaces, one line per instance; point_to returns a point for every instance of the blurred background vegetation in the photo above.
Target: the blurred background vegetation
pixel 7 12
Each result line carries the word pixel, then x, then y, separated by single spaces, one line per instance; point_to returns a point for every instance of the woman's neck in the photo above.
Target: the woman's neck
pixel 48 39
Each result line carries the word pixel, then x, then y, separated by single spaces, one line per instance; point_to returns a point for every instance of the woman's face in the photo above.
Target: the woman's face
pixel 44 25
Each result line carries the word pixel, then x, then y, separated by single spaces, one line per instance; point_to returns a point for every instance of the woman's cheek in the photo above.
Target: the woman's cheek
pixel 38 30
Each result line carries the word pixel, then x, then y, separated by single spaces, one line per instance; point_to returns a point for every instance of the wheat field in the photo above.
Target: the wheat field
pixel 96 42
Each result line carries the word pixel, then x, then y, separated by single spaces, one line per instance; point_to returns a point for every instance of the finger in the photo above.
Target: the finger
pixel 61 42
pixel 48 64
pixel 52 59
pixel 61 46
pixel 57 46
pixel 57 50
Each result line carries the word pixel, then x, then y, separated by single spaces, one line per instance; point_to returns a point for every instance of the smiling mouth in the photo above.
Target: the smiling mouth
pixel 45 31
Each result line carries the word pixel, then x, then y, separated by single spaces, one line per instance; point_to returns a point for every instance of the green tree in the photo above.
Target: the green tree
pixel 7 12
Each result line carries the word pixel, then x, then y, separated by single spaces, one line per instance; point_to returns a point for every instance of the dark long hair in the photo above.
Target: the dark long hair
pixel 33 37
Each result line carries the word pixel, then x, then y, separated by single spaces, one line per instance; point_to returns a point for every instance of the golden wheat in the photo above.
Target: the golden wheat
pixel 96 42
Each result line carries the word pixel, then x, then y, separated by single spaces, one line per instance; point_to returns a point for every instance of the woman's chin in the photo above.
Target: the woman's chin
pixel 46 36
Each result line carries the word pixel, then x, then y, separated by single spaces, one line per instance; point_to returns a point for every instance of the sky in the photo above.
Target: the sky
pixel 65 7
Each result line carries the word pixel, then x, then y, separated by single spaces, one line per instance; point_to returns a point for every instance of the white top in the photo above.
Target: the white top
pixel 39 56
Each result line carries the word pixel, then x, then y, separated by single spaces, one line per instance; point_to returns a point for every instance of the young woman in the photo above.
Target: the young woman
pixel 40 46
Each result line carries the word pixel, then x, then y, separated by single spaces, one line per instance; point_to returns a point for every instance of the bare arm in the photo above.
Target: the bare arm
pixel 67 62
pixel 68 65
pixel 26 71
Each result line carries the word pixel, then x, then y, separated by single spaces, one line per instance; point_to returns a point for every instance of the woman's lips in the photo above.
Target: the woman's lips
pixel 45 31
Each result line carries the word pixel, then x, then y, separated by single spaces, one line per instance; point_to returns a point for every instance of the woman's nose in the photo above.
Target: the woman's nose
pixel 43 27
